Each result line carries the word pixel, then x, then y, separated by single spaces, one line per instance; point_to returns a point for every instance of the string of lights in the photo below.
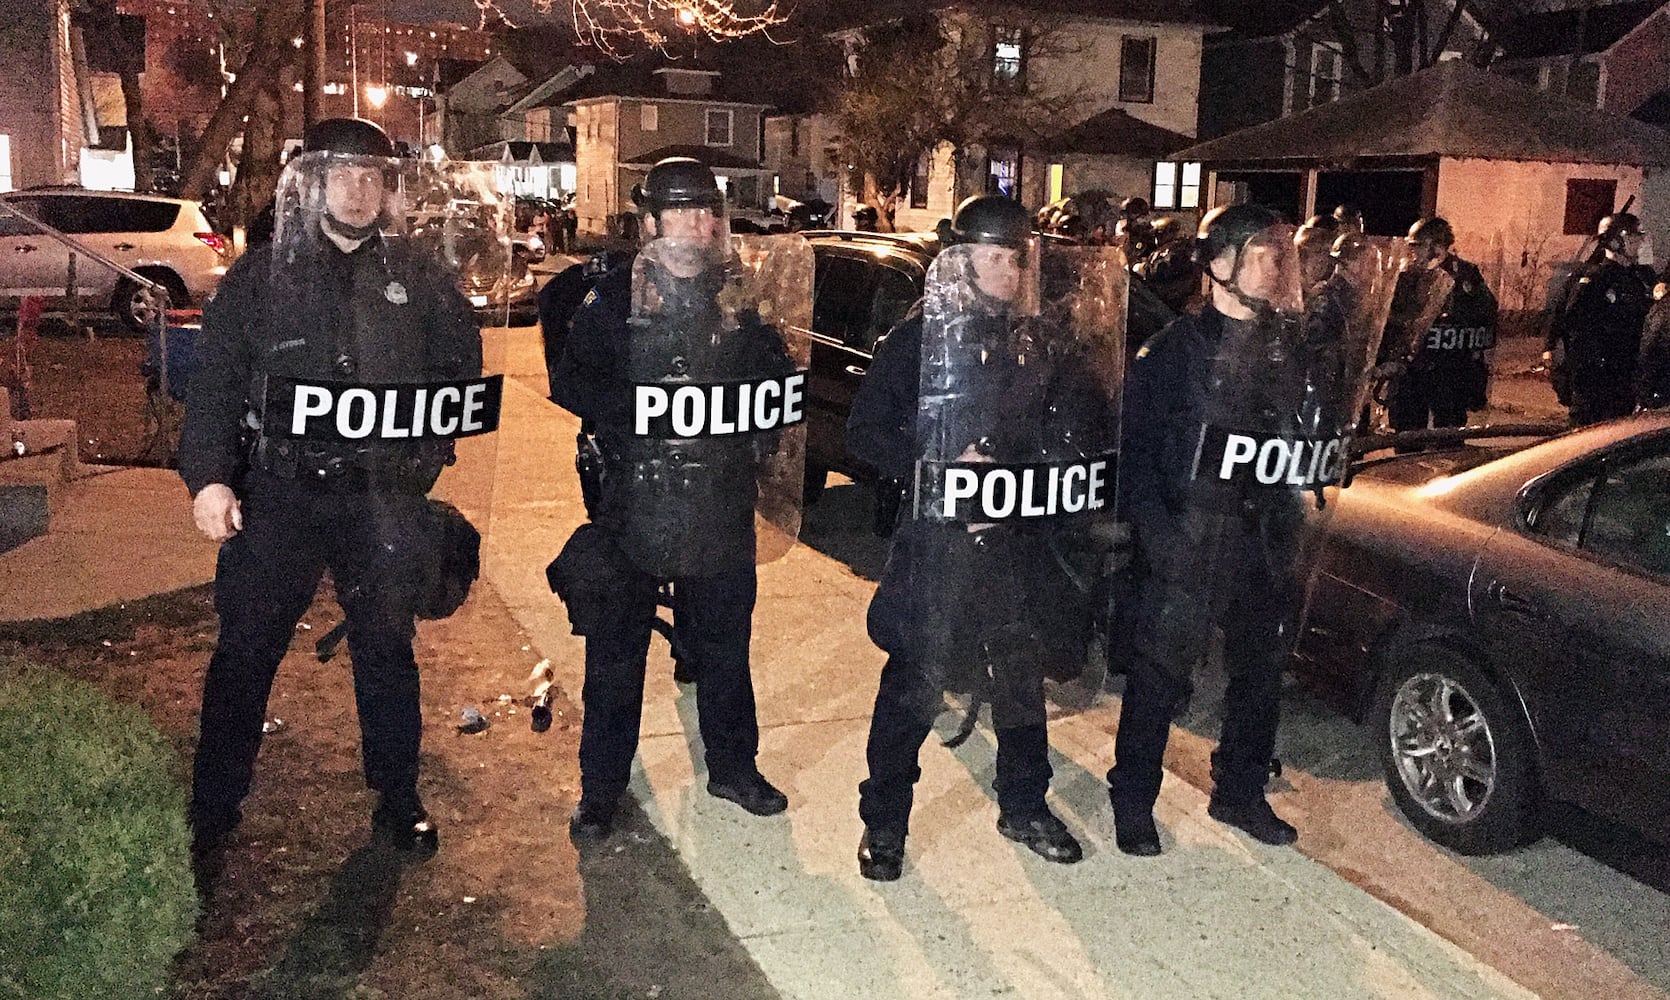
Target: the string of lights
pixel 612 25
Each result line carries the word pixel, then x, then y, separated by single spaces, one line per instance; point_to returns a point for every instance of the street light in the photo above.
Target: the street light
pixel 376 95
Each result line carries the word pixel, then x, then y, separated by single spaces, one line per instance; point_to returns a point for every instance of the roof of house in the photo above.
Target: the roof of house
pixel 1262 20
pixel 710 155
pixel 522 152
pixel 453 71
pixel 1116 132
pixel 1452 109
pixel 1655 110
pixel 1555 32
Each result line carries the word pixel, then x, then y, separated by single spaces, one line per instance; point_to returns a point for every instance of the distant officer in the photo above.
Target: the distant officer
pixel 1448 374
pixel 973 598
pixel 1234 426
pixel 677 505
pixel 1134 233
pixel 1598 326
pixel 1348 217
pixel 1170 270
pixel 333 301
pixel 865 219
pixel 1315 243
pixel 1652 369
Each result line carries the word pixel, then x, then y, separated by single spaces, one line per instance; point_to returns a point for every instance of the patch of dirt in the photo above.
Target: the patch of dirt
pixel 307 907
pixel 96 383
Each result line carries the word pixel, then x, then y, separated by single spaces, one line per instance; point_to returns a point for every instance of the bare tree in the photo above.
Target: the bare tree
pixel 104 29
pixel 1382 39
pixel 928 78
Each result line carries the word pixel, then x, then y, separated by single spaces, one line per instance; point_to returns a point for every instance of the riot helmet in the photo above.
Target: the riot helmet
pixel 1262 274
pixel 1434 230
pixel 1314 241
pixel 864 218
pixel 1168 230
pixel 1349 216
pixel 997 232
pixel 678 182
pixel 1132 207
pixel 349 137
pixel 344 179
pixel 686 233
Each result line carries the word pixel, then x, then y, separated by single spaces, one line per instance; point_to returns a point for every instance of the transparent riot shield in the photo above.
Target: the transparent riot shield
pixel 1017 428
pixel 717 369
pixel 372 383
pixel 1417 298
pixel 772 294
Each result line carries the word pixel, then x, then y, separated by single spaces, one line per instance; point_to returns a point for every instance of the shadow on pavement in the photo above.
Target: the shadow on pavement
pixel 839 526
pixel 649 930
pixel 339 940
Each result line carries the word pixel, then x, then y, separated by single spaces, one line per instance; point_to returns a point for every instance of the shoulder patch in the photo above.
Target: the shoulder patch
pixel 591 297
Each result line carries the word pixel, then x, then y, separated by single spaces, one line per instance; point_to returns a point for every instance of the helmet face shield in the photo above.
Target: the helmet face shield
pixel 1267 270
pixel 338 194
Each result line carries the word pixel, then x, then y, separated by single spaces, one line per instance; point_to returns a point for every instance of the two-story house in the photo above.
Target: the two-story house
pixel 1614 56
pixel 627 116
pixel 46 112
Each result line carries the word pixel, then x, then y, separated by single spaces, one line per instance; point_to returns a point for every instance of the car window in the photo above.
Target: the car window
pixel 895 293
pixel 843 299
pixel 1564 506
pixel 11 225
pixel 1629 514
pixel 80 214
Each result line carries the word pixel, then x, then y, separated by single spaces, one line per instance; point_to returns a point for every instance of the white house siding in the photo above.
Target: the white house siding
pixel 1508 218
pixel 595 180
pixel 942 197
pixel 1093 71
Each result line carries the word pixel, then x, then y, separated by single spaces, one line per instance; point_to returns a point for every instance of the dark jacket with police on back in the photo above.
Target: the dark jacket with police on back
pixel 387 306
pixel 1600 324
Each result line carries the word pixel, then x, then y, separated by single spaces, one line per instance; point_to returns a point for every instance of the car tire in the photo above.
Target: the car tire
pixel 812 487
pixel 1458 756
pixel 132 302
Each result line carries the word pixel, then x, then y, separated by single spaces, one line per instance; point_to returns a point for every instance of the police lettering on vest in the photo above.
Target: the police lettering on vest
pixel 986 492
pixel 1460 338
pixel 1258 459
pixel 337 411
pixel 717 409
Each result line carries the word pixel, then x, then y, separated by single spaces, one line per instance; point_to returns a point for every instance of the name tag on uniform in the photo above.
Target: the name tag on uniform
pixel 340 411
pixel 1460 338
pixel 987 492
pixel 1258 459
pixel 718 409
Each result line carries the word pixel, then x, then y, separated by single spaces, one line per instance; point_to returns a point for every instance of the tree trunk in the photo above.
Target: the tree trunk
pixel 275 26
pixel 263 142
pixel 105 28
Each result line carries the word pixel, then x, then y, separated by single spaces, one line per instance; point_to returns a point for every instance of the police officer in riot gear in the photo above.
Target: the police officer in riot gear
pixel 1652 368
pixel 1447 374
pixel 956 385
pixel 1134 233
pixel 1315 242
pixel 676 508
pixel 1598 327
pixel 1221 552
pixel 1170 271
pixel 336 301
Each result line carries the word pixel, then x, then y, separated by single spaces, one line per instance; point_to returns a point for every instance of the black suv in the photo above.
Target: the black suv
pixel 865 284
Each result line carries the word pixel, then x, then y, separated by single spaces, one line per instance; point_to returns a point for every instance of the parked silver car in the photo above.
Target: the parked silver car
pixel 167 240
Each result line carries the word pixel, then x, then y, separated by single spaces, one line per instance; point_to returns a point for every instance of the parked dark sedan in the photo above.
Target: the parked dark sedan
pixel 1504 617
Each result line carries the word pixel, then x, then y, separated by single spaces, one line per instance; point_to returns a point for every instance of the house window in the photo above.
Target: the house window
pixel 5 163
pixel 1008 54
pixel 1003 171
pixel 1587 202
pixel 649 118
pixel 1176 185
pixel 1058 172
pixel 1136 68
pixel 919 181
pixel 719 122
pixel 1324 75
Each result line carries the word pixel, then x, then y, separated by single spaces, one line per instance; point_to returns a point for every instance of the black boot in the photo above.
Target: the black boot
pixel 1045 834
pixel 592 821
pixel 881 854
pixel 1134 831
pixel 750 791
pixel 1255 818
pixel 402 823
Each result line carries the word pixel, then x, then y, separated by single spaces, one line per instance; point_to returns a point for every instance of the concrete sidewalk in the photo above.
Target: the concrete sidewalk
pixel 975 915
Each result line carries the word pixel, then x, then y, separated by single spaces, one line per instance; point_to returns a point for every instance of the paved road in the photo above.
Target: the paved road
pixel 1365 908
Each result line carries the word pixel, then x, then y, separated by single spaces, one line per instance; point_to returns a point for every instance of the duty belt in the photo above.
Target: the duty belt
pixel 335 470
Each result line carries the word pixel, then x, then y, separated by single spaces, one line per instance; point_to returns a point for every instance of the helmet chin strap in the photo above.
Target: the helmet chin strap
pixel 352 233
pixel 1261 308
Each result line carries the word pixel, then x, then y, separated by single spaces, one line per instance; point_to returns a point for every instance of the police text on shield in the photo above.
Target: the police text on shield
pixel 1259 459
pixel 675 411
pixel 986 492
pixel 339 411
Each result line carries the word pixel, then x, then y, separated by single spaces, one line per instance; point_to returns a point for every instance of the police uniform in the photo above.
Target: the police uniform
pixel 716 604
pixel 381 313
pixel 1652 369
pixel 1448 374
pixel 1600 328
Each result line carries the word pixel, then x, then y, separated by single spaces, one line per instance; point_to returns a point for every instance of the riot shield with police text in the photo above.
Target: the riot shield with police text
pixel 717 375
pixel 1017 431
pixel 1417 299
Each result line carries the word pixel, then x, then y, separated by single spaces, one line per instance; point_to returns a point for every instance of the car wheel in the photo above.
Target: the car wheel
pixel 1457 757
pixel 811 488
pixel 137 306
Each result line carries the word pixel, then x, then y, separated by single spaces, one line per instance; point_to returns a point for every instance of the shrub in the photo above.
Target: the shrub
pixel 96 892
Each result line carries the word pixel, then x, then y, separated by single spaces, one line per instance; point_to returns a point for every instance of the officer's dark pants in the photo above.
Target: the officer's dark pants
pixel 264 582
pixel 1438 393
pixel 1171 626
pixel 906 704
pixel 1600 394
pixel 715 622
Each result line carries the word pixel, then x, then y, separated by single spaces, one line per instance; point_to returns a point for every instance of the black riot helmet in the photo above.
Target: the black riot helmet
pixel 1229 227
pixel 991 218
pixel 678 182
pixel 1349 216
pixel 1317 234
pixel 349 136
pixel 1433 230
pixel 1615 227
pixel 1134 207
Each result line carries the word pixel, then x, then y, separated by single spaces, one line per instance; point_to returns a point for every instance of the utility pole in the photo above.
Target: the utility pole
pixel 354 54
pixel 313 70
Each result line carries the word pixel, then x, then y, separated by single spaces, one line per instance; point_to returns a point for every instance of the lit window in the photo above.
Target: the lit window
pixel 5 163
pixel 719 125
pixel 1165 185
pixel 1003 171
pixel 1008 53
pixel 1188 196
